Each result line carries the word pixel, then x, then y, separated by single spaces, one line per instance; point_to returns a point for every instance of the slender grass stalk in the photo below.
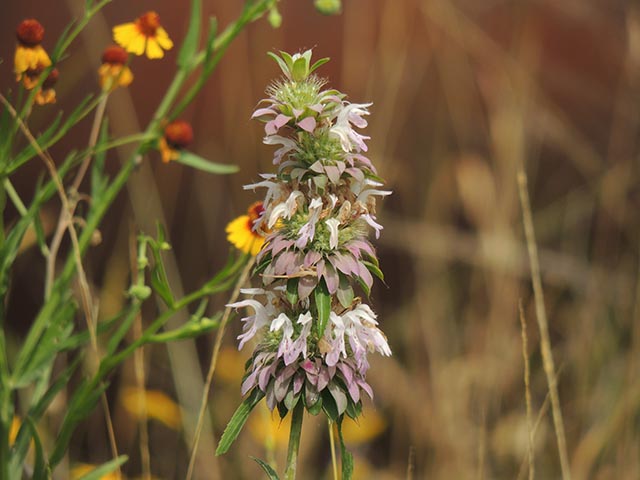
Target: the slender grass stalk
pixel 15 198
pixel 332 445
pixel 297 416
pixel 527 391
pixel 541 314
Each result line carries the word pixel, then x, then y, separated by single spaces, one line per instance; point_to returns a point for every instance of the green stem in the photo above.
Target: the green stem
pixel 15 198
pixel 294 441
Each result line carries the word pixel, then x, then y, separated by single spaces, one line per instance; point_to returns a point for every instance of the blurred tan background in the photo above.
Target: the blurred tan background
pixel 462 92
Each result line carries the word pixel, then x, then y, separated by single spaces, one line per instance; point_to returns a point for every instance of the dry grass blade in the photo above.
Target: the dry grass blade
pixel 527 389
pixel 541 314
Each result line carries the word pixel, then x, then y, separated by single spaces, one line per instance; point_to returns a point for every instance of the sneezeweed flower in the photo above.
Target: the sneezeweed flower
pixel 177 135
pixel 310 322
pixel 114 71
pixel 29 53
pixel 145 35
pixel 241 231
pixel 46 93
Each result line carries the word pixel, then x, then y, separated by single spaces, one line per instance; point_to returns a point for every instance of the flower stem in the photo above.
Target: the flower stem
pixel 332 442
pixel 294 441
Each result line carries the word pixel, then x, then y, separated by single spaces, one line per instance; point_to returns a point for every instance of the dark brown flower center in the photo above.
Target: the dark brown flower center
pixel 51 79
pixel 178 134
pixel 30 33
pixel 255 211
pixel 148 24
pixel 115 55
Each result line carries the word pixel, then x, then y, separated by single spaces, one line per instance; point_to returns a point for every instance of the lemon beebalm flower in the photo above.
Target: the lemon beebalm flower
pixel 143 36
pixel 114 71
pixel 29 53
pixel 241 232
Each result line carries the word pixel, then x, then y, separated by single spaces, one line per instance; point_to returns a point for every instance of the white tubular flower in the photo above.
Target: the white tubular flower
pixel 332 224
pixel 252 324
pixel 286 209
pixel 308 230
pixel 351 113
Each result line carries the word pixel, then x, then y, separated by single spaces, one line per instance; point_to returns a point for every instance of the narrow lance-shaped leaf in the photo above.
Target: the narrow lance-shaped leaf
pixel 271 473
pixel 190 45
pixel 238 420
pixel 199 163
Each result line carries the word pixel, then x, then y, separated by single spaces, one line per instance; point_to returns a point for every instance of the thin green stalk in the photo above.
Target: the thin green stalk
pixel 294 441
pixel 220 45
pixel 15 198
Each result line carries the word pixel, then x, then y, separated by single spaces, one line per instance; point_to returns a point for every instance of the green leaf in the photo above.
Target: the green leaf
pixel 323 306
pixel 104 469
pixel 271 473
pixel 346 457
pixel 192 160
pixel 329 405
pixel 190 45
pixel 238 420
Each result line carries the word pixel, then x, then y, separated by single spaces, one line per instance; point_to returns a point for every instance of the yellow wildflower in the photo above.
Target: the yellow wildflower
pixel 29 53
pixel 144 35
pixel 114 71
pixel 240 231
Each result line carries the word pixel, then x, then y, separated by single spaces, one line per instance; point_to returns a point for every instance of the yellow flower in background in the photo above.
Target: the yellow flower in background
pixel 47 94
pixel 240 231
pixel 15 428
pixel 29 53
pixel 369 426
pixel 114 71
pixel 230 365
pixel 157 404
pixel 144 35
pixel 268 429
pixel 82 469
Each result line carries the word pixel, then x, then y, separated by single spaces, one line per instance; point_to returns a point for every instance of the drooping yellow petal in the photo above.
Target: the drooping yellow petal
pixel 13 431
pixel 163 39
pixel 27 58
pixel 153 49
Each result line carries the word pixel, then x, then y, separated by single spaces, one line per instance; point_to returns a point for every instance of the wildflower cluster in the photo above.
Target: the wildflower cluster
pixel 314 333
